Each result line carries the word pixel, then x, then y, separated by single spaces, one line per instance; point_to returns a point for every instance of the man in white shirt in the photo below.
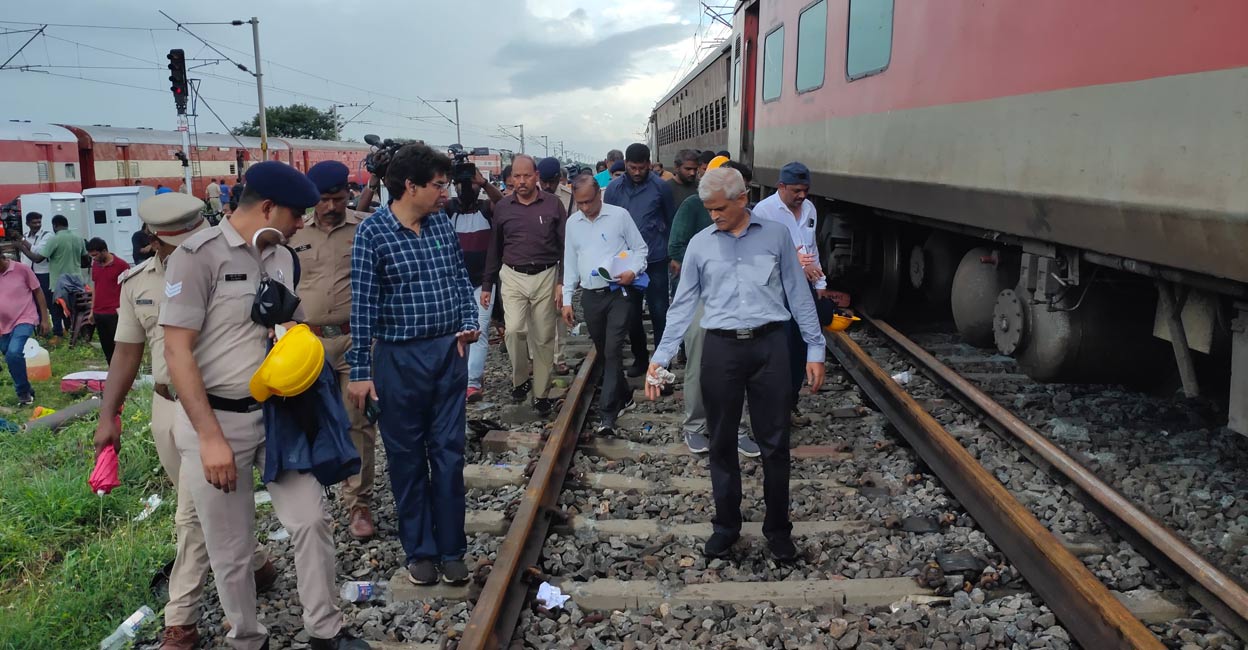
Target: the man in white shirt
pixel 790 208
pixel 36 237
pixel 593 236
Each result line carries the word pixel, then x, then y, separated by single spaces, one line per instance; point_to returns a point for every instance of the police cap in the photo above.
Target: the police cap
pixel 282 184
pixel 173 216
pixel 548 169
pixel 329 176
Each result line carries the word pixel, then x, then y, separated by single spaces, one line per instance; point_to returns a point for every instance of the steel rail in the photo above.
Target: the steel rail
pixel 494 617
pixel 1220 593
pixel 1084 605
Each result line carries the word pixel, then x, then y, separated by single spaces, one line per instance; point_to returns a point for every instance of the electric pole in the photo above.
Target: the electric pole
pixel 264 125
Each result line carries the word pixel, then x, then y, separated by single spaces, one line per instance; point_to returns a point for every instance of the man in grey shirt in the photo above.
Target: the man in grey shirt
pixel 743 270
pixel 594 235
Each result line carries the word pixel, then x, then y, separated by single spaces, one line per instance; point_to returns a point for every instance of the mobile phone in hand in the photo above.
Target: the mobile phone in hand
pixel 372 410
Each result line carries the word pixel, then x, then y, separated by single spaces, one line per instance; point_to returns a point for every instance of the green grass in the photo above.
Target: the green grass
pixel 73 564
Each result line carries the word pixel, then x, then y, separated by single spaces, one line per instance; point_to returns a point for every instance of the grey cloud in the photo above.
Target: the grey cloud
pixel 540 67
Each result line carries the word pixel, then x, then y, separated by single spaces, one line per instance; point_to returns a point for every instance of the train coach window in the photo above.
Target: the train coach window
pixel 870 41
pixel 812 46
pixel 773 64
pixel 71 171
pixel 736 72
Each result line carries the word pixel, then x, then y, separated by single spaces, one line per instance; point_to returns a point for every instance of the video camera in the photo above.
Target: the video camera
pixel 378 161
pixel 463 171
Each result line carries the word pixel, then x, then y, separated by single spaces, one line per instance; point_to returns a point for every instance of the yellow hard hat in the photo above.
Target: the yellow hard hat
pixel 291 367
pixel 717 162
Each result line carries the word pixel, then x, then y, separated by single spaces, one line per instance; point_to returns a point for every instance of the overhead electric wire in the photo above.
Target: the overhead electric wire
pixel 78 26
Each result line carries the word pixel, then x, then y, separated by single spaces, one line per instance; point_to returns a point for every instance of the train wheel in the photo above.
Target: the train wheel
pixel 932 267
pixel 981 276
pixel 881 285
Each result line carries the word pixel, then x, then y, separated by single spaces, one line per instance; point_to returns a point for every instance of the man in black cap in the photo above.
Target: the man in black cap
pixel 213 345
pixel 649 200
pixel 549 174
pixel 324 249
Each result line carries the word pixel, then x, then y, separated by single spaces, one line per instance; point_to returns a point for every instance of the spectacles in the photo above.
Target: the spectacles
pixel 442 187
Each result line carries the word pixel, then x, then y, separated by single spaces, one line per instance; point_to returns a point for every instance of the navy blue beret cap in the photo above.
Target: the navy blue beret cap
pixel 795 173
pixel 282 184
pixel 329 176
pixel 617 167
pixel 548 169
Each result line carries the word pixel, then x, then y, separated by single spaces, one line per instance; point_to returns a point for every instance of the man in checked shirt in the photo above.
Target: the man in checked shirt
pixel 410 295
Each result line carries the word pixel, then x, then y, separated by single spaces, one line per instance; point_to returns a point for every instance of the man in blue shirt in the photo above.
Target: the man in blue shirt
pixel 746 274
pixel 411 296
pixel 648 198
pixel 604 177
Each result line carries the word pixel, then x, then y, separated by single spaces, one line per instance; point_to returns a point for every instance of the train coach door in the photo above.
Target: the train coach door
pixel 746 61
pixel 47 179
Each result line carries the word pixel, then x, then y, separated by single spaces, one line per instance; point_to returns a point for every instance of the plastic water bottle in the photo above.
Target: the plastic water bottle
pixel 358 591
pixel 128 629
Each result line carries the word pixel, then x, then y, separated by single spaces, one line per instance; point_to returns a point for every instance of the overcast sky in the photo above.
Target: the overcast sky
pixel 587 73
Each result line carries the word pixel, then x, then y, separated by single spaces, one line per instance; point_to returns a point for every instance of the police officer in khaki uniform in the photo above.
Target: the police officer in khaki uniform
pixel 172 218
pixel 324 250
pixel 213 347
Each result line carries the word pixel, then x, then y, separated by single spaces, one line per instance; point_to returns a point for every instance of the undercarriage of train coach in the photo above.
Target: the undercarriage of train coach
pixel 1065 315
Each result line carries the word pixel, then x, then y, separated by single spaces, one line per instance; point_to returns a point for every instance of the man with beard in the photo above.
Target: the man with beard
pixel 213 346
pixel 324 249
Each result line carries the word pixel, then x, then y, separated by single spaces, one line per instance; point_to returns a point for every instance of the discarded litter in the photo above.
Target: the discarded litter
pixel 262 497
pixel 903 377
pixel 128 629
pixel 551 595
pixel 279 535
pixel 357 591
pixel 150 504
pixel 662 376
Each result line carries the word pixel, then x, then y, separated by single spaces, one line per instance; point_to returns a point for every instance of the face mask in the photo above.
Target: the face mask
pixel 274 303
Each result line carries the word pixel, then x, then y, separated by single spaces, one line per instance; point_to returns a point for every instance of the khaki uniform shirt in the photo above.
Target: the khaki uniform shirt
pixel 210 285
pixel 142 292
pixel 325 269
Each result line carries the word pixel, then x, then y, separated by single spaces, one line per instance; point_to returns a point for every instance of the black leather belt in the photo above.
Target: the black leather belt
pixel 532 269
pixel 165 391
pixel 241 405
pixel 330 331
pixel 747 334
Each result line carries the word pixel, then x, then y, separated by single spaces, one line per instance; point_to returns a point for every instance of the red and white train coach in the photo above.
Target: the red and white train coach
pixel 70 158
pixel 37 158
pixel 1068 178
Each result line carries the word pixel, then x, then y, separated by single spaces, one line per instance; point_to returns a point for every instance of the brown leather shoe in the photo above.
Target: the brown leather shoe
pixel 266 577
pixel 361 525
pixel 179 637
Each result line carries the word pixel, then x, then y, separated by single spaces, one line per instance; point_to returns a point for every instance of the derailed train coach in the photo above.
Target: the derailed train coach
pixel 1066 179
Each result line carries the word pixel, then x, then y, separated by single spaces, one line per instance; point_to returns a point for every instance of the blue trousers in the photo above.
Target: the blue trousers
pixel 58 316
pixel 12 345
pixel 420 389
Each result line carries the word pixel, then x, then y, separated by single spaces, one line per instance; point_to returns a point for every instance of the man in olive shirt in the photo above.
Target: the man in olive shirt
pixel 324 250
pixel 684 181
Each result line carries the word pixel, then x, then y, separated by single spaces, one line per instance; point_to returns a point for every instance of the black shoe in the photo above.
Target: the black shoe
pixel 423 572
pixel 719 544
pixel 543 405
pixel 637 369
pixel 26 400
pixel 454 572
pixel 518 393
pixel 782 548
pixel 343 641
pixel 605 429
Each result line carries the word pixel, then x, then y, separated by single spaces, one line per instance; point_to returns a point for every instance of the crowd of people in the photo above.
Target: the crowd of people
pixel 400 301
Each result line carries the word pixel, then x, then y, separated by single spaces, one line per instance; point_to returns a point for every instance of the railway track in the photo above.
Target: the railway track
pixel 1090 614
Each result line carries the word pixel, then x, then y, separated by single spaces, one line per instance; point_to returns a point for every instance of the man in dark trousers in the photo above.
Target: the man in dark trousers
pixel 595 234
pixel 743 270
pixel 649 199
pixel 411 297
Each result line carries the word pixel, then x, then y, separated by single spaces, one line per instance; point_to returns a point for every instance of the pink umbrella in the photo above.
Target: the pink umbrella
pixel 104 477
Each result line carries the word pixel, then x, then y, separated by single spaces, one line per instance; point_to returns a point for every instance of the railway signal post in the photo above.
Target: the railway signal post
pixel 180 87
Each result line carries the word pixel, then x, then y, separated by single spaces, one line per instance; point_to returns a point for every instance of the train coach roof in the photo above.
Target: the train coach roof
pixel 706 63
pixel 330 145
pixel 119 135
pixel 34 132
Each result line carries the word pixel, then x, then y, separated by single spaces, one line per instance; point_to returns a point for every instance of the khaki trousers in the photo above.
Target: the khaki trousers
pixel 229 525
pixel 190 567
pixel 357 490
pixel 215 204
pixel 529 315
